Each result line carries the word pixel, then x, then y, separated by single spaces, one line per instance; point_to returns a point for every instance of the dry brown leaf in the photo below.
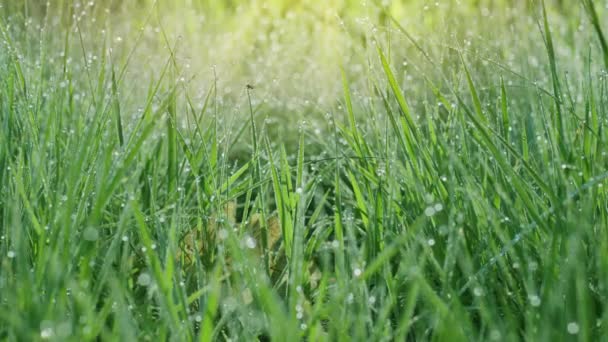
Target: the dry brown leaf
pixel 199 241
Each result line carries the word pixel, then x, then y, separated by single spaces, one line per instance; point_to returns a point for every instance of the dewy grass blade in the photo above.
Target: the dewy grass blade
pixel 400 172
pixel 474 95
pixel 560 134
pixel 116 108
pixel 504 109
pixel 597 26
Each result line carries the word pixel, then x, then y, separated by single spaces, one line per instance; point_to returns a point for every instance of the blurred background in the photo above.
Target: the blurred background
pixel 291 51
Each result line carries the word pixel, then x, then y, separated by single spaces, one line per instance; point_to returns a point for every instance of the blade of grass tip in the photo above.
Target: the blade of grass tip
pixel 285 176
pixel 376 235
pixel 474 95
pixel 86 64
pixel 587 135
pixel 338 228
pixel 200 117
pixel 300 166
pixel 298 246
pixel 254 137
pixel 234 177
pixel 101 78
pixel 256 174
pixel 405 110
pixel 403 135
pixel 409 128
pixel 279 199
pixel 289 200
pixel 214 150
pixel 171 144
pixel 597 26
pixel 359 199
pixel 351 114
pixel 525 150
pixel 548 39
pixel 116 109
pixel 504 106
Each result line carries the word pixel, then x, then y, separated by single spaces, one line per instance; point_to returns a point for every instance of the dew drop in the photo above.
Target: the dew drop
pixel 250 242
pixel 46 333
pixel 534 300
pixel 573 328
pixel 144 279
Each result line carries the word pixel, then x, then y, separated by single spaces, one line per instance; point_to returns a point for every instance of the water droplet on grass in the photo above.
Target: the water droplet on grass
pixel 534 300
pixel 46 333
pixel 573 328
pixel 250 242
pixel 350 298
pixel 381 170
pixel 144 279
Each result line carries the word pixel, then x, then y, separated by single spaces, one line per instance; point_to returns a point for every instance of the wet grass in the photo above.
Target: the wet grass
pixel 439 173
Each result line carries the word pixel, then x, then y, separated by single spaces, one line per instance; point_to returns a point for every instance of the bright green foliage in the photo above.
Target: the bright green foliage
pixel 434 170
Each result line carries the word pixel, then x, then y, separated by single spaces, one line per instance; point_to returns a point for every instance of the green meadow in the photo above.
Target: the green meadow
pixel 304 170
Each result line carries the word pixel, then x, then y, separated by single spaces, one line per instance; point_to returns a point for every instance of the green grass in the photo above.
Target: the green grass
pixel 439 172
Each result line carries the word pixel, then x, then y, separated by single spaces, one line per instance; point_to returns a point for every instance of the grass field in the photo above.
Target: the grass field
pixel 304 170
